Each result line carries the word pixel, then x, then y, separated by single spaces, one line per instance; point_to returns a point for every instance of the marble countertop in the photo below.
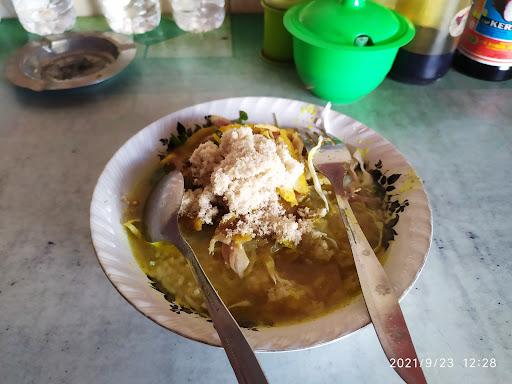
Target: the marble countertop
pixel 61 321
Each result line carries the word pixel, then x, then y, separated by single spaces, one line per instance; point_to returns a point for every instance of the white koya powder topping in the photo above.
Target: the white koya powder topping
pixel 244 172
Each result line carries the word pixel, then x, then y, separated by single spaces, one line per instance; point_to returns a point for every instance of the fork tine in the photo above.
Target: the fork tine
pixel 330 139
pixel 307 139
pixel 311 136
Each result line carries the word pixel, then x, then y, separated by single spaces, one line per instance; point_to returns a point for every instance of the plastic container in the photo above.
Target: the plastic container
pixel 485 49
pixel 344 49
pixel 429 55
pixel 277 41
pixel 198 15
pixel 132 16
pixel 282 4
pixel 45 17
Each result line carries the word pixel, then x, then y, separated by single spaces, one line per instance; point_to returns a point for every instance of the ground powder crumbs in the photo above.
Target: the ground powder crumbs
pixel 242 175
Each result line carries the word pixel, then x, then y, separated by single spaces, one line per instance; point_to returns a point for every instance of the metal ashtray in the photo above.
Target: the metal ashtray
pixel 69 60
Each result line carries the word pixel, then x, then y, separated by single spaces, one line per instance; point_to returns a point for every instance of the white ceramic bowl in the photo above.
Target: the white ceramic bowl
pixel 138 157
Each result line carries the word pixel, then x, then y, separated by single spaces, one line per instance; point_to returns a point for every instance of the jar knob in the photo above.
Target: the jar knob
pixel 353 3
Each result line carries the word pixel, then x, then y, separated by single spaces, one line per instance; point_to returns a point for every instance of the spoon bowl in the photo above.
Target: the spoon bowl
pixel 162 208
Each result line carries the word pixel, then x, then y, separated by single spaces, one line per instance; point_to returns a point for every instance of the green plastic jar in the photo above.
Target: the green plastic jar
pixel 343 49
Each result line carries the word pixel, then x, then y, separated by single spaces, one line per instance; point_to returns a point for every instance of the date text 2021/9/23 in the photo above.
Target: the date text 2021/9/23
pixel 444 362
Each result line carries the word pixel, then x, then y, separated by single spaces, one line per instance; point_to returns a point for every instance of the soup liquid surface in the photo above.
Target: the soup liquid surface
pixel 310 282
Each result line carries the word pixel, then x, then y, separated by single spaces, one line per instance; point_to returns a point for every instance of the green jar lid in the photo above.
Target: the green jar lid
pixel 348 24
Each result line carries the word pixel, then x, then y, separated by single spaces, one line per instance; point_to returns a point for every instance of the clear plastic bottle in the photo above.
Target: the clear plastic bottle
pixel 131 16
pixel 198 15
pixel 45 17
pixel 439 25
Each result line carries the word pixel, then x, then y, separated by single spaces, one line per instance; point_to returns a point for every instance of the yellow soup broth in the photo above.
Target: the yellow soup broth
pixel 317 285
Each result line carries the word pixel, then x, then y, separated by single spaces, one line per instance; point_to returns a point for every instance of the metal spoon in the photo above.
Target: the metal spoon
pixel 161 217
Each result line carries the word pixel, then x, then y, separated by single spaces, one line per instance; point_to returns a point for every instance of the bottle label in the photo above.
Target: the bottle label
pixel 487 37
pixel 458 22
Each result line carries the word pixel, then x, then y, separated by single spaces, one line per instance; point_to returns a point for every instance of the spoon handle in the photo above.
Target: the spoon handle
pixel 381 300
pixel 240 354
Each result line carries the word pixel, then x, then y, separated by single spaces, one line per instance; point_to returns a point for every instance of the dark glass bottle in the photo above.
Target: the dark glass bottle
pixel 429 55
pixel 485 49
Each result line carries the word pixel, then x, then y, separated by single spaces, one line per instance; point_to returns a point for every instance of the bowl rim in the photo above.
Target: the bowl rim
pixel 203 340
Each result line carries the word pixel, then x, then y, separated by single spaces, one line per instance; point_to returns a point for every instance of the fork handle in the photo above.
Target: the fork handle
pixel 380 298
pixel 240 354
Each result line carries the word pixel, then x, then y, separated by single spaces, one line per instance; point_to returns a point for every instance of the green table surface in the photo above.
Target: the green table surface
pixel 62 322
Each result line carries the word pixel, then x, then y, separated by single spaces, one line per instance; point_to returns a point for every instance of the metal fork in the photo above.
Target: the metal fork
pixel 331 160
